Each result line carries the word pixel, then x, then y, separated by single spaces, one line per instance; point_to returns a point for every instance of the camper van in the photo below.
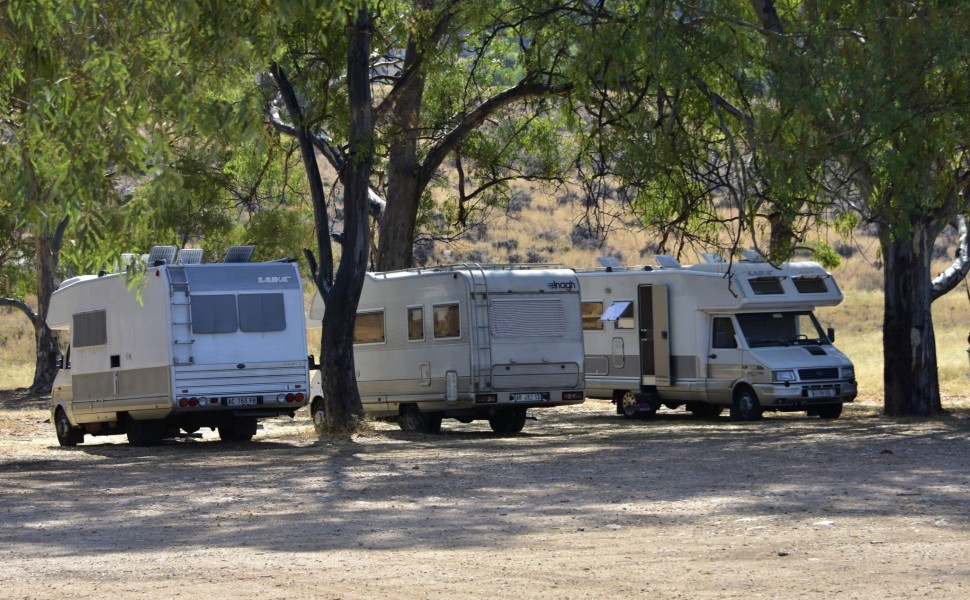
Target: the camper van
pixel 171 343
pixel 465 342
pixel 714 335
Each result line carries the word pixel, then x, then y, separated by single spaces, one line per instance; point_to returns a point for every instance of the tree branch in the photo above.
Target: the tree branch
pixel 23 306
pixel 957 272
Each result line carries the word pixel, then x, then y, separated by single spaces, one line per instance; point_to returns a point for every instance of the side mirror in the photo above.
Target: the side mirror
pixel 312 363
pixel 55 361
pixel 831 334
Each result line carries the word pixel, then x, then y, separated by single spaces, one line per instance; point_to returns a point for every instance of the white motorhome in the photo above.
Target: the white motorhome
pixel 465 342
pixel 712 335
pixel 184 346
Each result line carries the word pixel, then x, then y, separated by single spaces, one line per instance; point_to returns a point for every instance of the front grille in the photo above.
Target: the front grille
pixel 816 374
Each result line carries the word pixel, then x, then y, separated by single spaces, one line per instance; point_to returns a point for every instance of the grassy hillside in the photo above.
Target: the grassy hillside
pixel 544 228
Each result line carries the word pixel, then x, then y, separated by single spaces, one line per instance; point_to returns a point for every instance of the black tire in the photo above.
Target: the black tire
pixel 240 430
pixel 829 411
pixel 318 411
pixel 67 434
pixel 627 405
pixel 412 420
pixel 705 410
pixel 508 421
pixel 746 406
pixel 144 433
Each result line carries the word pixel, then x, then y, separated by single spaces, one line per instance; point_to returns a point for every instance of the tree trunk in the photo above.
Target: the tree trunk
pixel 396 248
pixel 909 345
pixel 344 407
pixel 47 247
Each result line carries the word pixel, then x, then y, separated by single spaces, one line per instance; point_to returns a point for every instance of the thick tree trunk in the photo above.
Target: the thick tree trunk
pixel 404 187
pixel 909 345
pixel 344 407
pixel 47 248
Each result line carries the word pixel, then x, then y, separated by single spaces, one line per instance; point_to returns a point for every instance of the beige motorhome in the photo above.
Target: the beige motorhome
pixel 714 335
pixel 185 346
pixel 465 342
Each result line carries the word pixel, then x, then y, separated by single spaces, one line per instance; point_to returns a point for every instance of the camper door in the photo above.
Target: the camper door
pixel 654 331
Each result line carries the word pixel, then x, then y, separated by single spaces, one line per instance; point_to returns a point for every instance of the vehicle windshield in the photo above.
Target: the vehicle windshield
pixel 781 329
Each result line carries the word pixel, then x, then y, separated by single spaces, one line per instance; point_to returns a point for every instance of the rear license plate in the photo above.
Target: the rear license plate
pixel 242 401
pixel 829 393
pixel 543 397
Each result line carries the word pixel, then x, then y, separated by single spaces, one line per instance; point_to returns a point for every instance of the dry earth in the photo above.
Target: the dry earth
pixel 582 505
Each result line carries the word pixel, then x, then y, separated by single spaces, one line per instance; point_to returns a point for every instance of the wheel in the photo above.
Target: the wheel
pixel 318 411
pixel 746 406
pixel 704 410
pixel 829 411
pixel 627 405
pixel 507 421
pixel 144 433
pixel 67 434
pixel 413 420
pixel 240 430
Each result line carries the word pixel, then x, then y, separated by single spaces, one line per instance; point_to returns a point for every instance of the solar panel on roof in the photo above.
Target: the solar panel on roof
pixel 163 253
pixel 190 256
pixel 238 254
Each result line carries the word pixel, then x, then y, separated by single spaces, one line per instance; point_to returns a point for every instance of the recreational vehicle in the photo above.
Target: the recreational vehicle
pixel 176 344
pixel 712 335
pixel 465 342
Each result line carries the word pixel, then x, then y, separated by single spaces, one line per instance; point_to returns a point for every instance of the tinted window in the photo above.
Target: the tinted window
pixel 261 312
pixel 591 316
pixel 90 329
pixel 810 285
pixel 415 323
pixel 446 321
pixel 369 328
pixel 214 314
pixel 766 285
pixel 723 333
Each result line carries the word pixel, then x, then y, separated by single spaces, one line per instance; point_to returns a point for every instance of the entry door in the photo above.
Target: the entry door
pixel 654 335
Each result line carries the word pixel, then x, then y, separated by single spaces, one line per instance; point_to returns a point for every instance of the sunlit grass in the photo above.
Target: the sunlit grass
pixel 17 355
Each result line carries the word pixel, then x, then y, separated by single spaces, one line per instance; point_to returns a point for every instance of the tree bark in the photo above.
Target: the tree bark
pixel 910 375
pixel 343 404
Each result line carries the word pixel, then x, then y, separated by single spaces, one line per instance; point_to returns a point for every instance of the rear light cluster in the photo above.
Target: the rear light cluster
pixel 290 397
pixel 193 401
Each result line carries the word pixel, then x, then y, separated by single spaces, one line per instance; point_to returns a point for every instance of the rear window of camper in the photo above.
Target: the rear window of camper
pixel 591 316
pixel 446 321
pixel 810 285
pixel 90 329
pixel 369 328
pixel 227 313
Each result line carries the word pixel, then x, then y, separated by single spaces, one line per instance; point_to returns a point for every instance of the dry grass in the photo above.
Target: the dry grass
pixel 16 350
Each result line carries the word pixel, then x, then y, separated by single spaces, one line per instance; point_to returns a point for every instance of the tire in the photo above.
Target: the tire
pixel 746 406
pixel 144 433
pixel 318 411
pixel 412 420
pixel 508 421
pixel 829 411
pixel 240 430
pixel 705 410
pixel 67 434
pixel 627 405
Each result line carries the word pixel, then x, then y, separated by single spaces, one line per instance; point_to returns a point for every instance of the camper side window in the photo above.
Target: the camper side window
pixel 591 316
pixel 415 323
pixel 90 329
pixel 261 312
pixel 214 313
pixel 369 328
pixel 723 333
pixel 446 321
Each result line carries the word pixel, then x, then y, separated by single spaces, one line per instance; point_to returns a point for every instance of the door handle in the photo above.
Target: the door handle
pixel 712 356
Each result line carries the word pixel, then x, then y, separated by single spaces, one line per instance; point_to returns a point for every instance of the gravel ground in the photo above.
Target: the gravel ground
pixel 582 504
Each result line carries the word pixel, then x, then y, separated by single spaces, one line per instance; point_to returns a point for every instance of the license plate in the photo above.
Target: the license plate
pixel 829 393
pixel 529 397
pixel 242 401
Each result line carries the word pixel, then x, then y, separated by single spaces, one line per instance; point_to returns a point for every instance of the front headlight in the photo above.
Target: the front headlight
pixel 782 376
pixel 847 373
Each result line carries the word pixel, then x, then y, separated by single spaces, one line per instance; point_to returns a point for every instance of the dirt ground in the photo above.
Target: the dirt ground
pixel 582 504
